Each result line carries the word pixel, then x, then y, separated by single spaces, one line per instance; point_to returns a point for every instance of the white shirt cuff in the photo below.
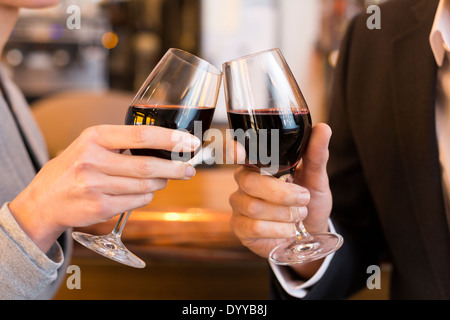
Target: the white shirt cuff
pixel 299 288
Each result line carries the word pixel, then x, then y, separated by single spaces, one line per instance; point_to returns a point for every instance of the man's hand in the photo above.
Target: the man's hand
pixel 261 217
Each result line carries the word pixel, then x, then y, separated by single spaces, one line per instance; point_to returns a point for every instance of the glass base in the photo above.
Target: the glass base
pixel 110 247
pixel 307 250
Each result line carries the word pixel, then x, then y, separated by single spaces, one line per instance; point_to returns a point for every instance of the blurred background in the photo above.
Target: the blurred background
pixel 77 77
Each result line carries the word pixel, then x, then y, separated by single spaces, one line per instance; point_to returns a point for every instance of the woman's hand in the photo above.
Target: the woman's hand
pixel 91 181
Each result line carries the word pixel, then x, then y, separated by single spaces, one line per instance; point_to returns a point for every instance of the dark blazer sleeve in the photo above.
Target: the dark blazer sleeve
pixel 353 210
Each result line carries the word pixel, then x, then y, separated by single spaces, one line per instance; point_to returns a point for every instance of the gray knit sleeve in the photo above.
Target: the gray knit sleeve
pixel 24 269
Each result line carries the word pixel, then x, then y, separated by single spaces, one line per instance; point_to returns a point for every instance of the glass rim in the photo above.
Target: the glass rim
pixel 252 55
pixel 212 68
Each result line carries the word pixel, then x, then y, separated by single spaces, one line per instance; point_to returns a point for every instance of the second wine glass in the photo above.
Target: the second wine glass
pixel 180 93
pixel 265 103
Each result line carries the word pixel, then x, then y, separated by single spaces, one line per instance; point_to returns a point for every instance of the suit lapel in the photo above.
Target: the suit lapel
pixel 414 86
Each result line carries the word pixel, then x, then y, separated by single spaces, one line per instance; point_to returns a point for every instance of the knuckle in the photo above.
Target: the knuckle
pixel 83 164
pixel 256 229
pixel 238 201
pixel 139 134
pixel 101 208
pixel 253 208
pixel 233 200
pixel 145 168
pixel 237 226
pixel 87 186
pixel 145 186
pixel 91 133
pixel 245 183
pixel 237 173
pixel 83 180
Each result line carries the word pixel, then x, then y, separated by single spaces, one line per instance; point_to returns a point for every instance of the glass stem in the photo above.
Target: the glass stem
pixel 300 230
pixel 121 224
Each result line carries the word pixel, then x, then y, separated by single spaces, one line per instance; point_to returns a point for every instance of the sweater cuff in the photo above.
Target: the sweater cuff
pixel 25 269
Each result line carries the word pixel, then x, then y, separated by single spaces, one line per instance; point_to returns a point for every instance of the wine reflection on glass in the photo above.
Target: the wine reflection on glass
pixel 180 93
pixel 264 101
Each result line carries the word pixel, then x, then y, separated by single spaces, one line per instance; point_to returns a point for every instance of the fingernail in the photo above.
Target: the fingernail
pixel 303 198
pixel 190 171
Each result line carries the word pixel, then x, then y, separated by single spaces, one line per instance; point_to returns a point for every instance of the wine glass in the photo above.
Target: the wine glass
pixel 180 93
pixel 270 118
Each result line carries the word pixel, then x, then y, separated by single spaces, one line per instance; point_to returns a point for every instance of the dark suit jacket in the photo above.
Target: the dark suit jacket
pixel 384 162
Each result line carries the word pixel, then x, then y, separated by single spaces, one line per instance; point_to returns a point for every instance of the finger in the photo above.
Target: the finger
pixel 125 165
pixel 248 228
pixel 270 189
pixel 235 152
pixel 124 203
pixel 256 208
pixel 94 183
pixel 113 185
pixel 137 137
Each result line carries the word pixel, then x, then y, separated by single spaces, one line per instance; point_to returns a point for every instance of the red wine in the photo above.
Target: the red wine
pixel 169 116
pixel 294 128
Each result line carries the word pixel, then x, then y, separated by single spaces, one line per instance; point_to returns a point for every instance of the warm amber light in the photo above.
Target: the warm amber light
pixel 190 215
pixel 110 40
pixel 171 216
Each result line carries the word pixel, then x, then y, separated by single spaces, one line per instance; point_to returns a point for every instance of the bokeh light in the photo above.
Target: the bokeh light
pixel 56 31
pixel 110 40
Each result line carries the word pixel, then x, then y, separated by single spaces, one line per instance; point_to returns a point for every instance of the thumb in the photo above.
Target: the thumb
pixel 313 170
pixel 312 174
